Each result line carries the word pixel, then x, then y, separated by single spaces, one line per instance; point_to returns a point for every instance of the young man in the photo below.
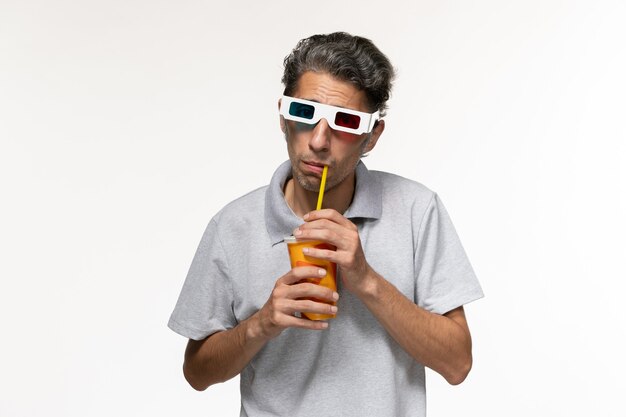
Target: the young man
pixel 403 274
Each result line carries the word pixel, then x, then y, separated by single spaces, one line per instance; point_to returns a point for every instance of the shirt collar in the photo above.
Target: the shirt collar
pixel 280 220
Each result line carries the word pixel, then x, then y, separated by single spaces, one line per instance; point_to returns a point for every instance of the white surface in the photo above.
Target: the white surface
pixel 116 149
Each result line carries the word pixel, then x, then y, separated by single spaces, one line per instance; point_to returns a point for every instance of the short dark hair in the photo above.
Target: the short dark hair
pixel 348 58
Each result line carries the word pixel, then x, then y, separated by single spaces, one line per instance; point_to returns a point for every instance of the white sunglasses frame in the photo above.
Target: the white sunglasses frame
pixel 328 112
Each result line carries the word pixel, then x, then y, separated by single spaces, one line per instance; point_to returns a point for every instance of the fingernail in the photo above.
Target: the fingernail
pixel 297 232
pixel 335 296
pixel 333 309
pixel 305 250
pixel 321 272
pixel 324 325
pixel 306 216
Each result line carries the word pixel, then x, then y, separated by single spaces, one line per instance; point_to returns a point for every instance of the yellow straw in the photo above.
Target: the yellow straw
pixel 320 196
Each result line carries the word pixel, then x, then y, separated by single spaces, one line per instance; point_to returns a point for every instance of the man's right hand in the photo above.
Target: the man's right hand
pixel 224 354
pixel 288 298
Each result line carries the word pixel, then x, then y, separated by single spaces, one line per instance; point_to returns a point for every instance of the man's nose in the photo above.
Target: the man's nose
pixel 320 139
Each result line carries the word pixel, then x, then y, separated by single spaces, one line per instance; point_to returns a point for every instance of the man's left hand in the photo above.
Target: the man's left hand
pixel 331 227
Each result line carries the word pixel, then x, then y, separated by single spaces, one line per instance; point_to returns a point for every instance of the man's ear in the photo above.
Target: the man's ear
pixel 282 119
pixel 378 129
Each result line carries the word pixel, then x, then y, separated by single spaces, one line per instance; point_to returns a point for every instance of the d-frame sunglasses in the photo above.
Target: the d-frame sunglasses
pixel 338 118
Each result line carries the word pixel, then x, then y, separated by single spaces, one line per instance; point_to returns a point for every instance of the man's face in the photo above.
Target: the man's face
pixel 312 147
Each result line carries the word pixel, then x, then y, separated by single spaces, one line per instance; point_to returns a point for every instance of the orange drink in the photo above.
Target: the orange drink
pixel 298 258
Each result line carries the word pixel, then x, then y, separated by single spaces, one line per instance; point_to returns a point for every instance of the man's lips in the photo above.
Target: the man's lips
pixel 315 167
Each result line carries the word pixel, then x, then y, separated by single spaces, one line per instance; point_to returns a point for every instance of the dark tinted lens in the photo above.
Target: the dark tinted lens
pixel 350 121
pixel 305 111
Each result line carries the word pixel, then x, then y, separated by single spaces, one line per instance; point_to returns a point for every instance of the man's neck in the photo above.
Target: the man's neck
pixel 302 201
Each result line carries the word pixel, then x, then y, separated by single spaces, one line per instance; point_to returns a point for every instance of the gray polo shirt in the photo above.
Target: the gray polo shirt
pixel 353 368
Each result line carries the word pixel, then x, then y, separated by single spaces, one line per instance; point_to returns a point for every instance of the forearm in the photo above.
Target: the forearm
pixel 222 355
pixel 436 341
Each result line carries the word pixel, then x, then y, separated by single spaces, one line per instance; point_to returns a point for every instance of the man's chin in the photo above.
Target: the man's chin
pixel 308 185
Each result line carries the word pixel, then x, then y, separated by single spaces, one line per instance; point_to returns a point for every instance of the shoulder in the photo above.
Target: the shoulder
pixel 245 210
pixel 404 191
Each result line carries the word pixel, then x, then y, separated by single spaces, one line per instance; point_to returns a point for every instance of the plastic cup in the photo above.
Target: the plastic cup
pixel 298 258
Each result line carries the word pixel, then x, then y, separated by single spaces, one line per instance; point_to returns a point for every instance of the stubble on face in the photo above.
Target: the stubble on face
pixel 337 171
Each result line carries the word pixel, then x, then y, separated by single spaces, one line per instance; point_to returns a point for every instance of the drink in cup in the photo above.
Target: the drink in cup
pixel 298 258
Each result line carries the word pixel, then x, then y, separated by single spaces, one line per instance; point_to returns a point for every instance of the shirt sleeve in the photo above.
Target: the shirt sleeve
pixel 205 304
pixel 445 278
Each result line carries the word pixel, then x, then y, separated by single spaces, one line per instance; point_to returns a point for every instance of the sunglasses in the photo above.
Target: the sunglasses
pixel 338 118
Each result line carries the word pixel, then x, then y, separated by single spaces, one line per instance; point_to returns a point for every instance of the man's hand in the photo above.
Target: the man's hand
pixel 224 354
pixel 329 226
pixel 286 299
pixel 441 342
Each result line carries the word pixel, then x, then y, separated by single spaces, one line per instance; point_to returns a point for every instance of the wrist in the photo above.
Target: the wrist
pixel 370 285
pixel 254 332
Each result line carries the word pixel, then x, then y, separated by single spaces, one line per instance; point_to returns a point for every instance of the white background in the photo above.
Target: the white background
pixel 125 125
